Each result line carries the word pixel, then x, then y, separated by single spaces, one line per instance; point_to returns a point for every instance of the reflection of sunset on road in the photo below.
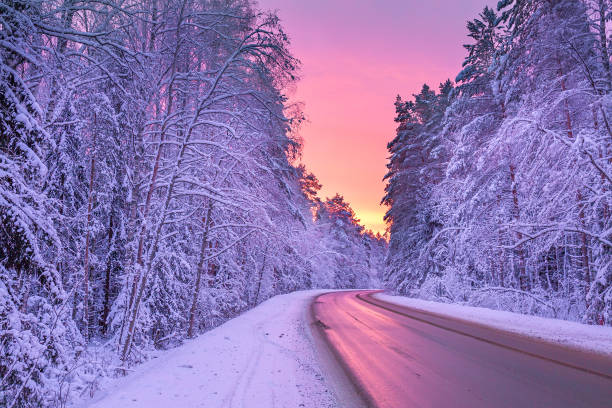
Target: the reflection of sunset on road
pixel 406 357
pixel 349 84
pixel 306 203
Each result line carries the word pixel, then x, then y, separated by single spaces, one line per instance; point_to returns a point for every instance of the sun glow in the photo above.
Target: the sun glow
pixel 349 82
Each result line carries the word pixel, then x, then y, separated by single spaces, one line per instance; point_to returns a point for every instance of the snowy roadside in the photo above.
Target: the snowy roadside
pixel 597 339
pixel 262 358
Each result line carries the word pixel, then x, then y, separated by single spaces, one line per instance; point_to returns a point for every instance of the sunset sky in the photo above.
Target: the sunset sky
pixel 357 55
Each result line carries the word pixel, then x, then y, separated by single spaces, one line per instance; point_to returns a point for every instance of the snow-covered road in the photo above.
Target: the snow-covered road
pixel 263 358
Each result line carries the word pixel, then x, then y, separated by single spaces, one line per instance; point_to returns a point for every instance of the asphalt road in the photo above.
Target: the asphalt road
pixel 399 357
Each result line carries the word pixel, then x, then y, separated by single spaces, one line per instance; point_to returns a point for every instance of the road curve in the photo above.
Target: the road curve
pixel 399 357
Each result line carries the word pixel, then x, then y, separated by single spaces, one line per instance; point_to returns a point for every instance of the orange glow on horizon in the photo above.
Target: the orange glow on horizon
pixel 357 55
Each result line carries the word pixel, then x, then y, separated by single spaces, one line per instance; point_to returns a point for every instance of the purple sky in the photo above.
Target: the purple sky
pixel 357 55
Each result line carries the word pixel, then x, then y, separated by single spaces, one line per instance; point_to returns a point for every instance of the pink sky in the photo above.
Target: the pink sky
pixel 357 55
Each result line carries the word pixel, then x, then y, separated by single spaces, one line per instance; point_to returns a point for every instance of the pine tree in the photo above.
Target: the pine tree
pixel 34 328
pixel 416 165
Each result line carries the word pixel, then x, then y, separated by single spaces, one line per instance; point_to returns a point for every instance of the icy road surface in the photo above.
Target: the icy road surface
pixel 263 358
pixel 399 357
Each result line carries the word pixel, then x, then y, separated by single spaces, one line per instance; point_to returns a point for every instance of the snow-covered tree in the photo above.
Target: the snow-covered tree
pixel 149 185
pixel 521 211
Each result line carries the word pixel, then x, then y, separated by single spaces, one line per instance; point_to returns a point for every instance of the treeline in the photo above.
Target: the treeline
pixel 500 186
pixel 147 185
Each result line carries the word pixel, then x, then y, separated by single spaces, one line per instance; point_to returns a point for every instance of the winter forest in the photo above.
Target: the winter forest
pixel 150 186
pixel 499 186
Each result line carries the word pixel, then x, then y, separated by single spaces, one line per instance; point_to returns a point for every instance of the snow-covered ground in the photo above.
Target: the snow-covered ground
pixel 585 337
pixel 263 358
pixel 266 357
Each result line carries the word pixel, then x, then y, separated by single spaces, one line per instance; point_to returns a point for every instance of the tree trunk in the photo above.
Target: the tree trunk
pixel 583 238
pixel 260 277
pixel 88 237
pixel 106 308
pixel 196 290
pixel 212 267
pixel 140 281
pixel 164 208
pixel 603 41
pixel 515 201
pixel 584 248
pixel 152 183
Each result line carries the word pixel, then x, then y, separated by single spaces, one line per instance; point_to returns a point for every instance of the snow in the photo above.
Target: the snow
pixel 23 118
pixel 263 358
pixel 591 338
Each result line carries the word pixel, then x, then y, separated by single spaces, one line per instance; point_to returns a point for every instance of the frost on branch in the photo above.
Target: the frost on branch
pixel 149 189
pixel 500 190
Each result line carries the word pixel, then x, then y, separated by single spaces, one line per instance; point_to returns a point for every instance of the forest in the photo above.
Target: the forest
pixel 499 184
pixel 150 186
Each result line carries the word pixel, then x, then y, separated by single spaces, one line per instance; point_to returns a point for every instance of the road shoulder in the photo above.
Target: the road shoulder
pixel 262 358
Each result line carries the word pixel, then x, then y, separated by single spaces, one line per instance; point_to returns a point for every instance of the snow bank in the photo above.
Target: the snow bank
pixel 596 339
pixel 263 358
